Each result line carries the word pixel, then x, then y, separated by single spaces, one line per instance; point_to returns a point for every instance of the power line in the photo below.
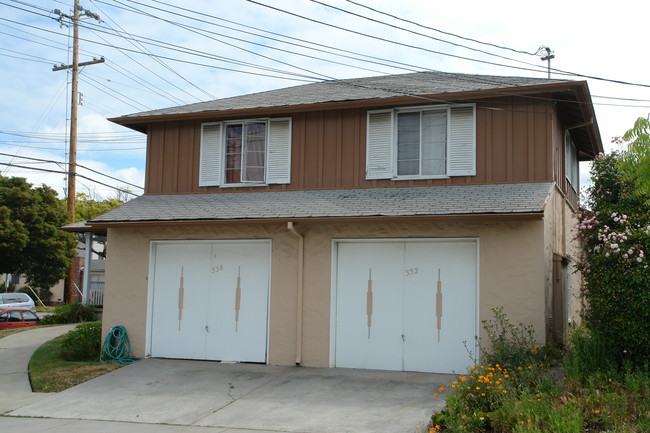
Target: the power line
pixel 441 31
pixel 160 62
pixel 420 34
pixel 40 160
pixel 126 191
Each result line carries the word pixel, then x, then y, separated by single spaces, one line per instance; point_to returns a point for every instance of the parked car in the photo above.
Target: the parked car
pixel 17 300
pixel 11 318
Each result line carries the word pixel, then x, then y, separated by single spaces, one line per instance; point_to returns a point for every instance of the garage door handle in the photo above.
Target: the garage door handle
pixel 403 338
pixel 207 329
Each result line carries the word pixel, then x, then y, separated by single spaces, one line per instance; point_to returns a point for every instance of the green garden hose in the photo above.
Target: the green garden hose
pixel 116 347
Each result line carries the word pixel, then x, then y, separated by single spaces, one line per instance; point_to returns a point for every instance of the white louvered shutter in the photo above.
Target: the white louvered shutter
pixel 279 151
pixel 379 145
pixel 211 159
pixel 462 142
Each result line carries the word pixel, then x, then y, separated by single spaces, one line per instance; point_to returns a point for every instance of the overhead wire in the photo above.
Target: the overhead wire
pixel 424 35
pixel 442 31
pixel 126 191
pixel 49 161
pixel 159 61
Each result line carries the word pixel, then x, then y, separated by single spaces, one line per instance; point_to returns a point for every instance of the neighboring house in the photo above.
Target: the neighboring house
pixel 365 223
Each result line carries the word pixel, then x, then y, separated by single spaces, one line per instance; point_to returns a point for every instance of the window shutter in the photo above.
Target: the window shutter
pixel 279 151
pixel 379 145
pixel 211 163
pixel 462 142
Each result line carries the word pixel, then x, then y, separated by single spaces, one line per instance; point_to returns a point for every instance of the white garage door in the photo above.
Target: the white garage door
pixel 406 305
pixel 209 300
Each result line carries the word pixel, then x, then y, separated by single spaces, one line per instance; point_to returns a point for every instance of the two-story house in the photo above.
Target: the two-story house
pixel 365 223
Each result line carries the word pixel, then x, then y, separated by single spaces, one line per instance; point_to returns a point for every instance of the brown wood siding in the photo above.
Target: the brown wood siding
pixel 514 143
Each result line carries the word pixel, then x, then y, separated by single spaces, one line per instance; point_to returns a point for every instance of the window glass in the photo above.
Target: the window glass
pixel 29 316
pixel 245 152
pixel 408 143
pixel 255 146
pixel 14 316
pixel 434 142
pixel 4 317
pixel 234 144
pixel 571 160
pixel 422 143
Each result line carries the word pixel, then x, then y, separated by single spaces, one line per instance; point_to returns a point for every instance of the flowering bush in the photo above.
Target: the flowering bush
pixel 614 229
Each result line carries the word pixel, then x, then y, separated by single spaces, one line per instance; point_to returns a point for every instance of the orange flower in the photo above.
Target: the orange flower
pixel 442 388
pixel 597 411
pixel 435 395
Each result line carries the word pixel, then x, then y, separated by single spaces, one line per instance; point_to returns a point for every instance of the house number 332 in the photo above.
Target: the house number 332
pixel 411 271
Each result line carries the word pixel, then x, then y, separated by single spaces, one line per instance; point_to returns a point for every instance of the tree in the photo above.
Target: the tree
pixel 30 241
pixel 615 232
pixel 635 161
pixel 88 207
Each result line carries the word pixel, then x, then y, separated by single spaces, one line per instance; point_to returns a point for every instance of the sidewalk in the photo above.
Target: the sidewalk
pixel 15 352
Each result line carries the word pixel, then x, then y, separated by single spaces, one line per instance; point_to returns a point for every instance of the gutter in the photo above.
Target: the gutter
pixel 300 290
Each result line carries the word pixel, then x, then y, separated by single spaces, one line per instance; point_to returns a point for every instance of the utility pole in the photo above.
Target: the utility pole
pixel 547 58
pixel 72 159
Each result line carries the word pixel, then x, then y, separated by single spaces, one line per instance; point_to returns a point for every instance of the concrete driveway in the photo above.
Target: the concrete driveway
pixel 247 397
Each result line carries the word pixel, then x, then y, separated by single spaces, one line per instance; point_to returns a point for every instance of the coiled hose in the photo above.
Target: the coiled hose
pixel 116 347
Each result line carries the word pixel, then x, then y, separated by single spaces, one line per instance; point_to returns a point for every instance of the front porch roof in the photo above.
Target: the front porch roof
pixel 504 199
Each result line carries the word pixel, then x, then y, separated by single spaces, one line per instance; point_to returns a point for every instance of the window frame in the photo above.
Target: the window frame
pixel 224 148
pixel 398 111
pixel 571 161
pixel 460 146
pixel 277 152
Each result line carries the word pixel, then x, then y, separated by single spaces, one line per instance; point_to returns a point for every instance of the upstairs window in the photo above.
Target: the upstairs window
pixel 571 164
pixel 246 152
pixel 421 142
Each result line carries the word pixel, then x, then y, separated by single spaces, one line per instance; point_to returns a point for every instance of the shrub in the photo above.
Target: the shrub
pixel 588 354
pixel 614 231
pixel 82 343
pixel 510 345
pixel 71 313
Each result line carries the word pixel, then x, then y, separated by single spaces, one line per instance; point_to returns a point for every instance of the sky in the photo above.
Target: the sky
pixel 163 53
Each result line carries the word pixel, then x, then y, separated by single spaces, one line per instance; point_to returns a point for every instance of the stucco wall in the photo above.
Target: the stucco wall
pixel 512 274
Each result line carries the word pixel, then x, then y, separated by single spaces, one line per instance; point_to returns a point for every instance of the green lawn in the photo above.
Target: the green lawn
pixel 49 372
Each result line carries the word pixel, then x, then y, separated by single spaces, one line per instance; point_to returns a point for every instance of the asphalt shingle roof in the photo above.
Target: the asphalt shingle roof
pixel 385 86
pixel 389 202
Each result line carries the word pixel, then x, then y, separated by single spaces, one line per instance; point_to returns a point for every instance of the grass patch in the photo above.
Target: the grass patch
pixel 44 309
pixel 6 332
pixel 49 372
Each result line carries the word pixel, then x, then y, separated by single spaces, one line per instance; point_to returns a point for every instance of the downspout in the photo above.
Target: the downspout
pixel 301 254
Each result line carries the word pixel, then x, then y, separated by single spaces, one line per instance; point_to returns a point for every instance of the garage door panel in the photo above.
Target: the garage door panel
pixel 181 283
pixel 423 309
pixel 239 302
pixel 367 292
pixel 222 304
pixel 439 306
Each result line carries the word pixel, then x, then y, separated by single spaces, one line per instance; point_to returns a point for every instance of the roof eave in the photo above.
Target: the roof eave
pixel 139 123
pixel 482 217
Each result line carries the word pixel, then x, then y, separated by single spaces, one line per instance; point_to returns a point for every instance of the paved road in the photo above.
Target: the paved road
pixel 196 396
